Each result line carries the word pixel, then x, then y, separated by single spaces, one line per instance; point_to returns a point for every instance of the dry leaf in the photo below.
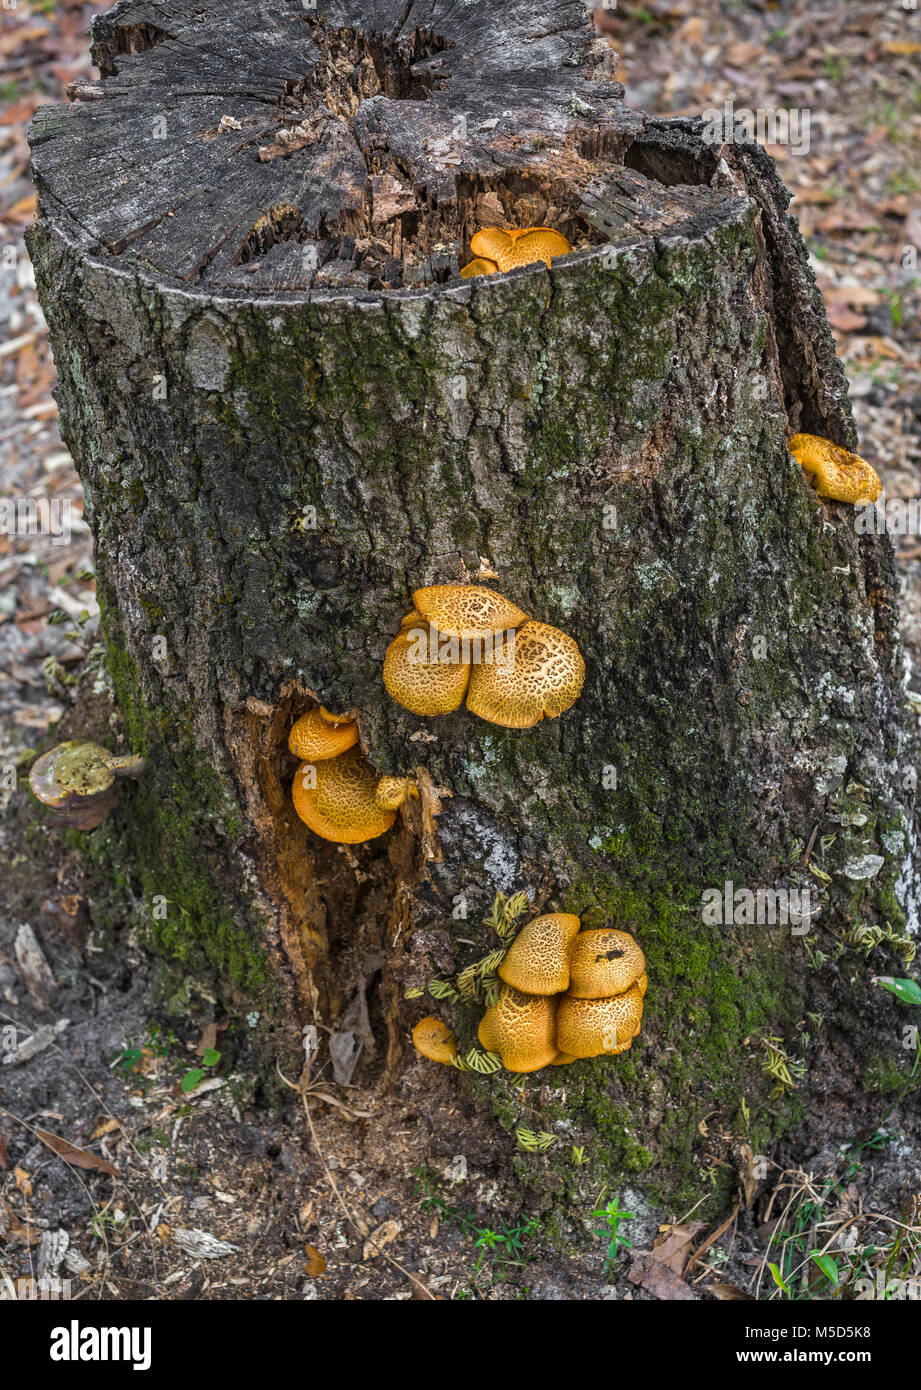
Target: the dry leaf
pixel 658 1278
pixel 315 1265
pixel 728 1292
pixel 385 1234
pixel 77 1158
pixel 673 1249
pixel 23 1182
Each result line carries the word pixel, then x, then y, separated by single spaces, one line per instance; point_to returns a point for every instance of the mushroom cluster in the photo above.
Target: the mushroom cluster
pixel 463 640
pixel 565 994
pixel 835 473
pixel 336 791
pixel 498 249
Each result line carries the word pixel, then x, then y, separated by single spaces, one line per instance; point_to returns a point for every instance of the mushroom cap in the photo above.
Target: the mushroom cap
pixel 479 266
pixel 522 1029
pixel 318 735
pixel 467 610
pixel 418 684
pixel 642 984
pixel 75 768
pixel 342 805
pixel 839 475
pixel 393 791
pixel 76 781
pixel 545 678
pixel 537 962
pixel 604 962
pixel 516 246
pixel 592 1027
pixel 435 1041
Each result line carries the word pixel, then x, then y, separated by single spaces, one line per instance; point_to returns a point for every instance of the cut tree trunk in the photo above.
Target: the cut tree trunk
pixel 289 411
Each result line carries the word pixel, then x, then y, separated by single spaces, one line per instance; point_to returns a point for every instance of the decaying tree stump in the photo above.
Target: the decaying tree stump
pixel 289 412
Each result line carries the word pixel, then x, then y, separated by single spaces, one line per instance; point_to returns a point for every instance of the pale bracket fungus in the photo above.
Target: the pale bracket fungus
pixel 76 782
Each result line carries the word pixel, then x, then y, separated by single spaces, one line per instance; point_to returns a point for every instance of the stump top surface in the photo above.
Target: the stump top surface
pixel 244 148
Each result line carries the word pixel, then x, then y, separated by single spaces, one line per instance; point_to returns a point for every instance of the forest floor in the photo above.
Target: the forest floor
pixel 186 1185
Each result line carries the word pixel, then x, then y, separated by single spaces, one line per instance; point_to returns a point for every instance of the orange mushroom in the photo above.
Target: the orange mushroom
pixel 521 1028
pixel 537 962
pixel 435 1041
pixel 337 799
pixel 318 735
pixel 596 1027
pixel 837 474
pixel 544 678
pixel 507 248
pixel 604 962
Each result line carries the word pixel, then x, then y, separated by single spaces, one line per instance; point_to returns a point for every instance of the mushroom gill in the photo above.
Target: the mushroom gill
pixel 537 962
pixel 544 677
pixel 521 1028
pixel 838 474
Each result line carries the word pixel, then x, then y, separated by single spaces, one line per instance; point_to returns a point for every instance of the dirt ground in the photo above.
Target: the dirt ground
pixel 190 1183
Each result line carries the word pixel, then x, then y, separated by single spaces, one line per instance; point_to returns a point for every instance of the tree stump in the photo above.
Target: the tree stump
pixel 289 411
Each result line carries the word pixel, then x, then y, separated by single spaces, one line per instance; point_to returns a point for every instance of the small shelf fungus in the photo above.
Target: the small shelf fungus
pixel 835 473
pixel 566 994
pixel 77 782
pixel 461 639
pixel 336 792
pixel 498 249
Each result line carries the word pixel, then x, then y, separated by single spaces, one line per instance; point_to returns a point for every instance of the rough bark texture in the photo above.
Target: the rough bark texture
pixel 244 336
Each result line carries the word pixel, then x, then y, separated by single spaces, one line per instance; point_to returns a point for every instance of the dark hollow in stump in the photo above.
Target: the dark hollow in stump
pixel 289 411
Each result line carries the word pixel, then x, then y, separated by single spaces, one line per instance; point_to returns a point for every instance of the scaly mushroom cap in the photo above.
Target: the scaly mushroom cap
pixel 318 735
pixel 593 1027
pixel 418 684
pixel 522 1029
pixel 479 266
pixel 839 475
pixel 393 791
pixel 604 962
pixel 537 962
pixel 642 984
pixel 467 610
pixel 435 1041
pixel 545 678
pixel 509 248
pixel 341 806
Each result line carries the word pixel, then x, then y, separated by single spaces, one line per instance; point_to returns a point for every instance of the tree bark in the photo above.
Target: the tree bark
pixel 289 412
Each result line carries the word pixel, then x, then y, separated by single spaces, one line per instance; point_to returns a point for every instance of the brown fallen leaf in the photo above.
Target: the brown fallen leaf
pixel 77 1158
pixel 658 1278
pixel 728 1292
pixel 844 319
pixel 315 1264
pixel 384 1235
pixel 673 1249
pixel 23 1181
pixel 420 1291
pixel 106 1126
